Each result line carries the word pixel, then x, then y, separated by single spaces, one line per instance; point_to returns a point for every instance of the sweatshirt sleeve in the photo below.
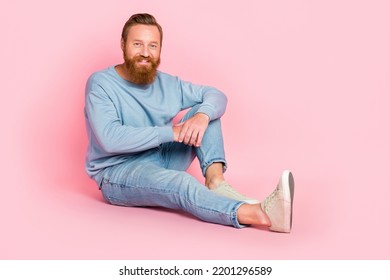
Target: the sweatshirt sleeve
pixel 110 134
pixel 212 101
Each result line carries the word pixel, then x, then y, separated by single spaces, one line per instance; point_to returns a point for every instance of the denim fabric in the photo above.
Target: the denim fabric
pixel 157 177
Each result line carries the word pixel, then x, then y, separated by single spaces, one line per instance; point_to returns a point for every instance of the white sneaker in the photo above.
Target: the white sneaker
pixel 279 204
pixel 226 190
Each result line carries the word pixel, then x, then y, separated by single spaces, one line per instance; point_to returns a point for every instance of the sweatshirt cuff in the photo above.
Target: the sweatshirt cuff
pixel 165 134
pixel 208 111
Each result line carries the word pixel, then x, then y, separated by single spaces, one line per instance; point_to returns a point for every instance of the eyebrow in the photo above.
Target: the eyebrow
pixel 151 42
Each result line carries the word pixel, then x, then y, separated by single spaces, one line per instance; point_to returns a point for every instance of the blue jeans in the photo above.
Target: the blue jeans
pixel 157 177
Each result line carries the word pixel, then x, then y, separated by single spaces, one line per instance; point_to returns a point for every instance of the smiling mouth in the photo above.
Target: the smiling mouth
pixel 144 62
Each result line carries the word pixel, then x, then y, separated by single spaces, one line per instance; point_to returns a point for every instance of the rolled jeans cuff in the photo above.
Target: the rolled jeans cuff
pixel 206 165
pixel 234 217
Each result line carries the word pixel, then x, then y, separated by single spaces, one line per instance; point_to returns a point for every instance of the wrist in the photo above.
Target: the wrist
pixel 205 116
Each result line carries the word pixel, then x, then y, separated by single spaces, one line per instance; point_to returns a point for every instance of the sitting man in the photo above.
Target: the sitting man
pixel 138 157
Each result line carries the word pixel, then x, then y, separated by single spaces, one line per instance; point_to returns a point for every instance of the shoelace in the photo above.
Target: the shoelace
pixel 270 200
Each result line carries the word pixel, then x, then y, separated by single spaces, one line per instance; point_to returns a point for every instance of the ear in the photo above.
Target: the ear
pixel 122 45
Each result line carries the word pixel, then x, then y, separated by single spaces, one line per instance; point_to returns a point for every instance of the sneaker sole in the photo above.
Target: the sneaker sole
pixel 288 190
pixel 287 186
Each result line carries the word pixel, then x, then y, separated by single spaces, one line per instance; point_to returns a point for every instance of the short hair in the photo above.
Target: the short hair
pixel 145 19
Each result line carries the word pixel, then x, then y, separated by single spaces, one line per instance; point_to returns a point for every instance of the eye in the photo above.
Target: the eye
pixel 137 44
pixel 154 46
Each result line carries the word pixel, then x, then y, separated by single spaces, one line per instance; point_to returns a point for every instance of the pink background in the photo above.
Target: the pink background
pixel 308 87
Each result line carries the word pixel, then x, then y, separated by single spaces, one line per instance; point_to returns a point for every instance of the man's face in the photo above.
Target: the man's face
pixel 141 53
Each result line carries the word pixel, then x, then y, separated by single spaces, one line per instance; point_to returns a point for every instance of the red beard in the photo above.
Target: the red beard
pixel 141 74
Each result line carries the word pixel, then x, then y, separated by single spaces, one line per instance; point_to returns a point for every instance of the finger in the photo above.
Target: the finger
pixel 194 138
pixel 199 139
pixel 178 124
pixel 182 134
pixel 188 138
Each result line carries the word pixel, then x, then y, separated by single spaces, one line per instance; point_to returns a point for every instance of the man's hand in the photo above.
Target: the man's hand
pixel 191 131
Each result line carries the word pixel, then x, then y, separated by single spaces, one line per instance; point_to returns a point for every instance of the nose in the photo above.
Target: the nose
pixel 145 51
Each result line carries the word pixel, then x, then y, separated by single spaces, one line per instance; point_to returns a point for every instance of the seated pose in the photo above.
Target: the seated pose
pixel 138 157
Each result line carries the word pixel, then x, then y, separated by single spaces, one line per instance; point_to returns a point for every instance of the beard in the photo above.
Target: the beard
pixel 141 74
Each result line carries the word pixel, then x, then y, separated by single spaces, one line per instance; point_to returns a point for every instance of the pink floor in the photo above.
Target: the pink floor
pixel 305 93
pixel 340 213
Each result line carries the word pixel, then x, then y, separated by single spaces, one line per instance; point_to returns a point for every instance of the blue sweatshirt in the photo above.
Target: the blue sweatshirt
pixel 123 118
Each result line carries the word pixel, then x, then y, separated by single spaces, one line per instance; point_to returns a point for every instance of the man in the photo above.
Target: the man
pixel 138 157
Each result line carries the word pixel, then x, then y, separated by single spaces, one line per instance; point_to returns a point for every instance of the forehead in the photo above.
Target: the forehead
pixel 144 32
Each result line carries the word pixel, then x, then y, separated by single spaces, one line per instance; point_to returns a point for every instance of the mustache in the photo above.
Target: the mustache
pixel 143 58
